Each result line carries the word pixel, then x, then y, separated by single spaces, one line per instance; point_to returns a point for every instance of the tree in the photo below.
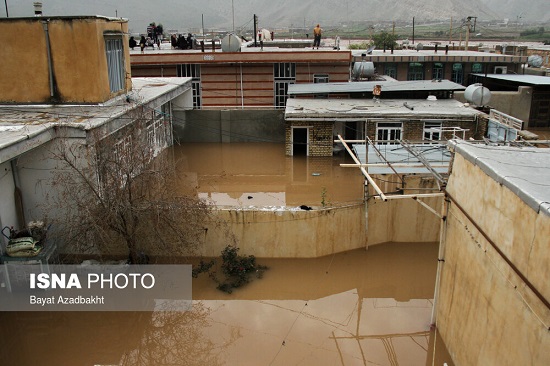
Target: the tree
pixel 385 40
pixel 116 194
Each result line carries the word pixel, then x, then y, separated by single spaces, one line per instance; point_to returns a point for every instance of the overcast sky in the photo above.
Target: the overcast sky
pixel 186 14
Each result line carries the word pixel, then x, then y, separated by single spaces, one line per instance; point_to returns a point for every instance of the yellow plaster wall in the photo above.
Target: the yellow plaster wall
pixel 403 220
pixel 78 57
pixel 485 313
pixel 288 234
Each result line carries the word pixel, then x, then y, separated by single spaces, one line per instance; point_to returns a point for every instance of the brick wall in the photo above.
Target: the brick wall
pixel 320 137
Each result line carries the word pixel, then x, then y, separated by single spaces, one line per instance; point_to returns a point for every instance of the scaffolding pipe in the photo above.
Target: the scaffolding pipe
pixel 363 170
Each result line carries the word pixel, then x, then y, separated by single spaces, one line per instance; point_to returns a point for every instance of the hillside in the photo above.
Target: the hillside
pixel 178 14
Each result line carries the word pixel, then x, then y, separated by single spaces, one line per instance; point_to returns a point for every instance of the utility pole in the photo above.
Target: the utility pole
pixel 255 30
pixel 451 32
pixel 469 29
pixel 467 38
pixel 413 30
pixel 6 2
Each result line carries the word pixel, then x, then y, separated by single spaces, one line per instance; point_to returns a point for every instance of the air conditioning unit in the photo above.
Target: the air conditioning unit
pixel 501 69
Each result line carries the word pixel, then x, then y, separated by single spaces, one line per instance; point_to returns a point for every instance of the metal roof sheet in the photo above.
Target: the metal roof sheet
pixel 350 109
pixel 435 154
pixel 524 170
pixel 367 86
pixel 520 79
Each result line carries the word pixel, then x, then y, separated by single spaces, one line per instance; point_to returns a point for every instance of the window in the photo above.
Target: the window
pixel 438 71
pixel 320 79
pixel 457 75
pixel 477 67
pixel 388 132
pixel 416 71
pixel 193 71
pixel 158 129
pixel 283 75
pixel 432 131
pixel 115 63
pixel 390 69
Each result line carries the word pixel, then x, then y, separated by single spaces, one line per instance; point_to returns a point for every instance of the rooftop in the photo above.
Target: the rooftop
pixel 25 126
pixel 520 79
pixel 360 109
pixel 367 86
pixel 524 170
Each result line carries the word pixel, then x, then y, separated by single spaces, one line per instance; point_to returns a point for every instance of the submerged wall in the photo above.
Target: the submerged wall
pixel 486 313
pixel 288 234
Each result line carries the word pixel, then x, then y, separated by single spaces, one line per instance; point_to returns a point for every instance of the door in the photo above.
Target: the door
pixel 300 141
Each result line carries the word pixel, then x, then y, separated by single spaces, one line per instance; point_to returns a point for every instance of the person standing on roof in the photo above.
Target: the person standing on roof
pixel 317 31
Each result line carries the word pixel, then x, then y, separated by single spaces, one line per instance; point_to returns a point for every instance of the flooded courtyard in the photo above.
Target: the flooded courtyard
pixel 361 307
pixel 364 307
pixel 259 174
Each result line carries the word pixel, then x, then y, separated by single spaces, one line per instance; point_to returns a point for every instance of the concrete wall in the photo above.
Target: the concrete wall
pixel 403 220
pixel 485 312
pixel 516 104
pixel 288 234
pixel 229 126
pixel 78 59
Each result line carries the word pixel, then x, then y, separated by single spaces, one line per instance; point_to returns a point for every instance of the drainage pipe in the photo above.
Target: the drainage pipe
pixel 48 48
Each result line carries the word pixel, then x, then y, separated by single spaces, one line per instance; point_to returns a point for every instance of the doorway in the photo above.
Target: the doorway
pixel 300 137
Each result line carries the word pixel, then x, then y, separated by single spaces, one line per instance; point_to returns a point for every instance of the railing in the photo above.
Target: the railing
pixel 506 119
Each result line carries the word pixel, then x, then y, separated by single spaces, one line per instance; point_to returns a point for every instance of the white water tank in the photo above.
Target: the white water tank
pixel 363 69
pixel 534 61
pixel 231 43
pixel 477 94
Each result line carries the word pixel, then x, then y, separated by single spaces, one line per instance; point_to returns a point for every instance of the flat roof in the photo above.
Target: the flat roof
pixel 520 79
pixel 361 109
pixel 367 86
pixel 26 126
pixel 524 170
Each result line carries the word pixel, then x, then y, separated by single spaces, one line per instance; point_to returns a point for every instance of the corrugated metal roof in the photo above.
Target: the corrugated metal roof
pixel 524 170
pixel 520 79
pixel 435 154
pixel 367 86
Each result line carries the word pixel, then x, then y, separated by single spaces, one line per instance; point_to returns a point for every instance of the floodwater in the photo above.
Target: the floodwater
pixel 259 174
pixel 364 307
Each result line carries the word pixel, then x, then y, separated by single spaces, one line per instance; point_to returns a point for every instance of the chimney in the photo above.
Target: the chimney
pixel 37 9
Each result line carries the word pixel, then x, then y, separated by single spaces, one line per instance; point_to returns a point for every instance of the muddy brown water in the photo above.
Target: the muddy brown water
pixel 363 307
pixel 259 174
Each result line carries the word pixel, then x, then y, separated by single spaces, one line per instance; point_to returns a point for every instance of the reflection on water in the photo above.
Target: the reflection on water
pixel 259 174
pixel 355 308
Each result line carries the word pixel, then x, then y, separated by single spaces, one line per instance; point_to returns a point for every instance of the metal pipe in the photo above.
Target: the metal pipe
pixel 48 48
pixel 500 253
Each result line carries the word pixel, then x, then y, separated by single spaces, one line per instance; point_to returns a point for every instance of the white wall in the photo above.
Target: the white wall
pixel 8 213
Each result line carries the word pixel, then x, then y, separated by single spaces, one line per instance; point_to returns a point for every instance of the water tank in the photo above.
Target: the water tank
pixel 477 94
pixel 534 61
pixel 231 43
pixel 363 69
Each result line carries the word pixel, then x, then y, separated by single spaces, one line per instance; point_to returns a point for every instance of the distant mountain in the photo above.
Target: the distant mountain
pixel 185 14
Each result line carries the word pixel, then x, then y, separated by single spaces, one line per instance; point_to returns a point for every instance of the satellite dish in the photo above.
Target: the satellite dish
pixel 534 61
pixel 369 51
pixel 419 46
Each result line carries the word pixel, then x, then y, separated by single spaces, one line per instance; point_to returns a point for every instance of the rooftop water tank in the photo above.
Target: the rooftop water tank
pixel 363 69
pixel 231 43
pixel 534 61
pixel 477 94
